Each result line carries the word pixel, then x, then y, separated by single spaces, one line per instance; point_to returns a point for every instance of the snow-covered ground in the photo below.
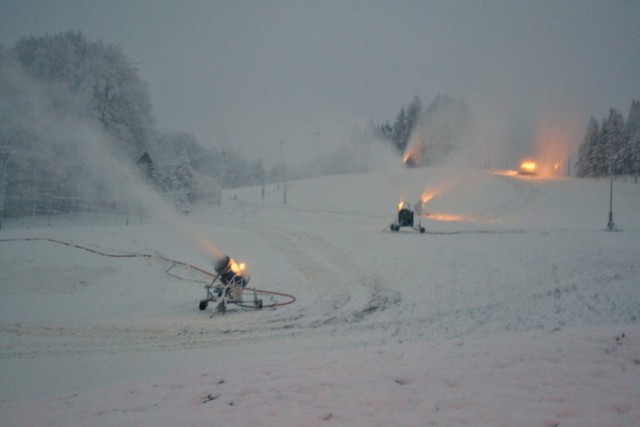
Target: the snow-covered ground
pixel 516 307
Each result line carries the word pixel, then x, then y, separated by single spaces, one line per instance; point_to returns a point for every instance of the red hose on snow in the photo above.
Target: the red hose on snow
pixel 291 298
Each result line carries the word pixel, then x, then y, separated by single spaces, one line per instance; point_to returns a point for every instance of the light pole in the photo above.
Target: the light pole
pixel 284 194
pixel 611 225
pixel 279 171
pixel 4 156
pixel 222 175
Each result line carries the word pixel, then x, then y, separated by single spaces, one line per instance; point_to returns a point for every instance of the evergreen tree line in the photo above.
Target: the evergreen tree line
pixel 399 133
pixel 50 85
pixel 189 172
pixel 614 142
pixel 425 136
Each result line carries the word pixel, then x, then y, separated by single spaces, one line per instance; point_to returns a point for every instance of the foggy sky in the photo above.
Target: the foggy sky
pixel 252 73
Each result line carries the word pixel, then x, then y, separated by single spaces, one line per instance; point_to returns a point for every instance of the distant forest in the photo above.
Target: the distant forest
pixel 66 101
pixel 62 97
pixel 424 136
pixel 55 87
pixel 613 143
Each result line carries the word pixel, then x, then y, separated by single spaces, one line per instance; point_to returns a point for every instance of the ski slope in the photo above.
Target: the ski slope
pixel 516 307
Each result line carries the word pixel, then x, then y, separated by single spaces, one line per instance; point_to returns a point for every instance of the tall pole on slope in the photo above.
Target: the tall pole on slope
pixel 279 171
pixel 610 225
pixel 4 156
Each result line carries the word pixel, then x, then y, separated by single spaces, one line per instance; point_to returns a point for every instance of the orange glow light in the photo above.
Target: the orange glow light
pixel 448 217
pixel 414 154
pixel 553 141
pixel 528 166
pixel 506 172
pixel 426 197
pixel 237 268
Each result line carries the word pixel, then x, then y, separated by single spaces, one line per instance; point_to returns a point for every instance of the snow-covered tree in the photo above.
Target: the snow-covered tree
pixel 426 136
pixel 401 131
pixel 613 139
pixel 588 151
pixel 183 181
pixel 444 128
pixel 405 123
pixel 631 155
pixel 91 80
pixel 53 89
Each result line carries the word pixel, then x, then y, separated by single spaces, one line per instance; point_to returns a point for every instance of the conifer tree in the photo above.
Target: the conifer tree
pixel 587 152
pixel 613 142
pixel 631 155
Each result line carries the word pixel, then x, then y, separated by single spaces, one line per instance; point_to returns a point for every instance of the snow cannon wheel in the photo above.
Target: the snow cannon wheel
pixel 394 227
pixel 259 304
pixel 422 230
pixel 203 304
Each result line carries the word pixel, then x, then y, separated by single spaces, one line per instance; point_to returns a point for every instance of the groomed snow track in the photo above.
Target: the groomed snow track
pixel 288 298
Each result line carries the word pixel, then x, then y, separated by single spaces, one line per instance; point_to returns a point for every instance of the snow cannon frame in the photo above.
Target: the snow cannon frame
pixel 230 287
pixel 406 219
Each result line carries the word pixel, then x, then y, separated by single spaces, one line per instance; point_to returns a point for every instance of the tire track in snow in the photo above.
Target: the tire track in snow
pixel 337 296
pixel 343 294
pixel 524 193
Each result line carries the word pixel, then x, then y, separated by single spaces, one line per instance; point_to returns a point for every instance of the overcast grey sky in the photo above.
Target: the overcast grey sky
pixel 252 73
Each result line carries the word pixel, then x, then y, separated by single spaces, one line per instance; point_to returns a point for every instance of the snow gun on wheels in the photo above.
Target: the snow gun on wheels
pixel 228 287
pixel 405 219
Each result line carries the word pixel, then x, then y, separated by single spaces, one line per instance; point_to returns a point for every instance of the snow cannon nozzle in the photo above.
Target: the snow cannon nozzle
pixel 228 266
pixel 222 265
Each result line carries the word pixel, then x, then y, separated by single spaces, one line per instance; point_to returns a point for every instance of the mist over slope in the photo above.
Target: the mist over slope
pixel 477 196
pixel 518 270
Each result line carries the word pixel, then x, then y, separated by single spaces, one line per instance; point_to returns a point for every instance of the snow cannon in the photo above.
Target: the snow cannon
pixel 228 286
pixel 230 271
pixel 405 219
